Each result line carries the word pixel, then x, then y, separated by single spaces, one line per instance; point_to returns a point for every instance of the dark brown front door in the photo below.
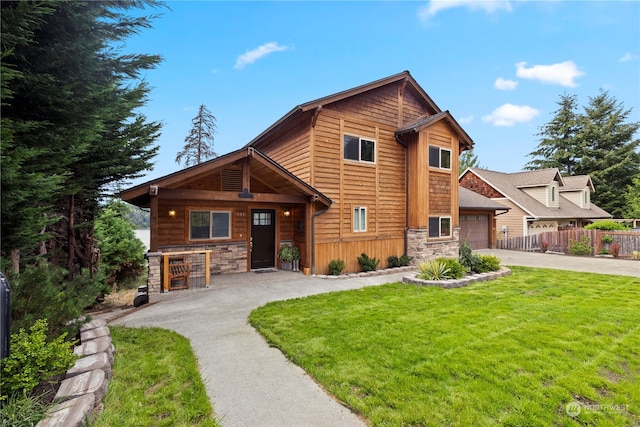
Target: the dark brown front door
pixel 263 238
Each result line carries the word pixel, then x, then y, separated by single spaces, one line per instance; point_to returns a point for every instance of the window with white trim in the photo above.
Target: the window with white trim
pixel 359 219
pixel 209 225
pixel 359 149
pixel 439 226
pixel 439 157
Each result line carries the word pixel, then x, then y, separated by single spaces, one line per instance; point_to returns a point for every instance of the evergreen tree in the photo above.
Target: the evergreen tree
pixel 632 197
pixel 198 145
pixel 598 142
pixel 73 126
pixel 468 159
pixel 558 147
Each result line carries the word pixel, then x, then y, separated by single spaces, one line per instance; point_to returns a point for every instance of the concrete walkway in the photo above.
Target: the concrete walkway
pixel 251 384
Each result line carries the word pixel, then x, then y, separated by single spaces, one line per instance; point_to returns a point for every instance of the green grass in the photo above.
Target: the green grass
pixel 155 382
pixel 514 351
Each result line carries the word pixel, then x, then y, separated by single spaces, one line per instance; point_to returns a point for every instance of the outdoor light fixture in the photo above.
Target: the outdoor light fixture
pixel 172 213
pixel 286 213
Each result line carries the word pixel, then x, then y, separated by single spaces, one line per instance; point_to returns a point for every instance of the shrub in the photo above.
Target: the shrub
pixel 33 359
pixel 368 264
pixel 603 251
pixel 394 261
pixel 607 238
pixel 43 292
pixel 456 270
pixel 433 270
pixel 295 253
pixel 336 266
pixel 614 249
pixel 580 247
pixel 605 225
pixel 19 410
pixel 635 255
pixel 486 263
pixel 465 255
pixel 121 252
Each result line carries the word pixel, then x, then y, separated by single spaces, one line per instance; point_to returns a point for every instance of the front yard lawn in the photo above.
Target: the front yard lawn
pixel 538 348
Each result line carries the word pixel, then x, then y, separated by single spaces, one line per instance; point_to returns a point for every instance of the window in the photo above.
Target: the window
pixel 262 218
pixel 553 194
pixel 439 226
pixel 359 219
pixel 439 157
pixel 209 225
pixel 359 149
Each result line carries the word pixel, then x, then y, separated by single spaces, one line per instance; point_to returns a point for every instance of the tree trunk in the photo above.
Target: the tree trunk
pixel 15 260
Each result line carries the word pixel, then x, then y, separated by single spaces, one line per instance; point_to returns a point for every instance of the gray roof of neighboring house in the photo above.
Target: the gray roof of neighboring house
pixel 468 199
pixel 511 185
pixel 578 182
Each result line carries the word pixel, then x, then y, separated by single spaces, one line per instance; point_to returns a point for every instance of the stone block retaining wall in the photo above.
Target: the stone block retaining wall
pixel 81 392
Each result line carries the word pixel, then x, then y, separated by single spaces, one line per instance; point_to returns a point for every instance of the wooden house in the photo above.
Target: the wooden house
pixel 373 169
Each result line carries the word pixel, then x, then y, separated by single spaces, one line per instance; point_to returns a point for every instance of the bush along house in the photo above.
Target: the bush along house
pixel 372 169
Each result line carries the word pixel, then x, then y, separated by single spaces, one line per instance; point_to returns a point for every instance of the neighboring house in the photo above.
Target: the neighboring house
pixel 539 200
pixel 373 169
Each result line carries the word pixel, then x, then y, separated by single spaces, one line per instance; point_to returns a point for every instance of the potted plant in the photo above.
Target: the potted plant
pixel 285 254
pixel 295 257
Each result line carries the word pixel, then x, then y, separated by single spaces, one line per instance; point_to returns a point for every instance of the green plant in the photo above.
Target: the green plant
pixel 603 251
pixel 295 253
pixel 580 247
pixel 635 255
pixel 433 270
pixel 34 359
pixel 615 249
pixel 121 252
pixel 394 261
pixel 20 410
pixel 456 270
pixel 606 225
pixel 285 253
pixel 485 263
pixel 607 238
pixel 368 264
pixel 336 266
pixel 465 255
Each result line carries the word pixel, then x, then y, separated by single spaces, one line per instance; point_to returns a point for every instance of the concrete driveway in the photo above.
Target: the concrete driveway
pixel 251 384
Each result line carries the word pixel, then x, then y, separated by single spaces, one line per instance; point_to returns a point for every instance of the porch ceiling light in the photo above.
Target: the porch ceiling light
pixel 286 213
pixel 172 213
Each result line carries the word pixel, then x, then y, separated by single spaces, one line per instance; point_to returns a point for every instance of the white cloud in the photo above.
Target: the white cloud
pixel 628 57
pixel 503 84
pixel 509 115
pixel 466 120
pixel 435 6
pixel 563 73
pixel 253 55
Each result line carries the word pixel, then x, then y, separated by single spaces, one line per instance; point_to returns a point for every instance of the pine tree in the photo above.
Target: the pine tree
pixel 71 107
pixel 558 147
pixel 598 142
pixel 198 145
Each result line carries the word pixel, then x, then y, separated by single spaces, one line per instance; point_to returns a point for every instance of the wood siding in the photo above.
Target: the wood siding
pixel 348 251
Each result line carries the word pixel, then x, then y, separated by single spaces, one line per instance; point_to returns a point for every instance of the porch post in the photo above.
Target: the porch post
pixel 153 243
pixel 308 239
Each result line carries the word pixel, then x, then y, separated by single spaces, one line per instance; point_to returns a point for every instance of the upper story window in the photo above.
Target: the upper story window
pixel 359 219
pixel 553 194
pixel 209 225
pixel 359 149
pixel 439 157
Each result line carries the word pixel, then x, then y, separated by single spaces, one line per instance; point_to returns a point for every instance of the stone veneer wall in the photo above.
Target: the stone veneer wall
pixel 225 258
pixel 422 250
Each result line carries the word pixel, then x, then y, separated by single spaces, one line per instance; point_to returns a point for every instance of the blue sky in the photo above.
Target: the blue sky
pixel 499 67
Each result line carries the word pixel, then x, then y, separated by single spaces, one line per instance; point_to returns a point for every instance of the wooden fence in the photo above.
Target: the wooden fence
pixel 559 241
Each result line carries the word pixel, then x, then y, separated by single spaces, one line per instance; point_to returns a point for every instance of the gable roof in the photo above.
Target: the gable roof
pixel 468 199
pixel 317 104
pixel 426 121
pixel 262 167
pixel 578 182
pixel 511 185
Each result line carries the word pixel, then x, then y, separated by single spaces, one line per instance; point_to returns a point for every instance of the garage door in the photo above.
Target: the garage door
pixel 475 229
